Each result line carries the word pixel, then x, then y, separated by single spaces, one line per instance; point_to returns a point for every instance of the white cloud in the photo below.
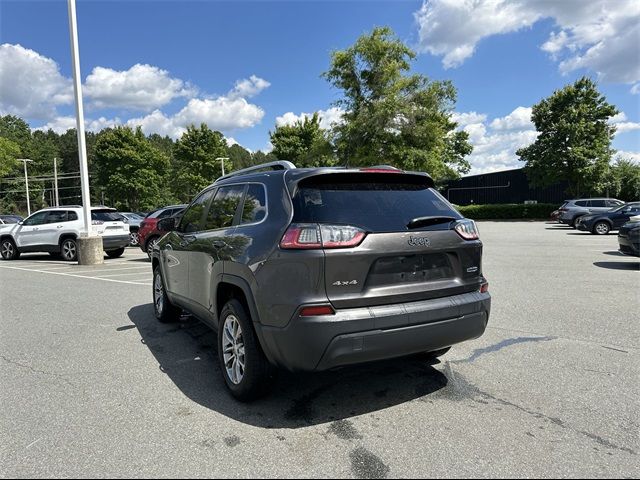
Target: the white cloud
pixel 327 117
pixel 248 87
pixel 62 124
pixel 622 125
pixel 633 156
pixel 519 119
pixel 635 90
pixel 31 85
pixel 601 35
pixel 142 87
pixel 464 119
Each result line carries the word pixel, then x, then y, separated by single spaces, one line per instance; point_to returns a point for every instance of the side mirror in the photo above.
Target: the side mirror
pixel 168 224
pixel 21 222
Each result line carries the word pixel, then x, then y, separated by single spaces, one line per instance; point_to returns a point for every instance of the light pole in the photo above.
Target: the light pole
pixel 26 182
pixel 90 250
pixel 222 159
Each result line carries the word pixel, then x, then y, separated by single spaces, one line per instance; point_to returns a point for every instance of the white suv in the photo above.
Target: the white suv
pixel 56 229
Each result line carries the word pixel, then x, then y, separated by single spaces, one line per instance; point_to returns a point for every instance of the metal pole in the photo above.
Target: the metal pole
pixel 26 181
pixel 82 147
pixel 222 159
pixel 55 179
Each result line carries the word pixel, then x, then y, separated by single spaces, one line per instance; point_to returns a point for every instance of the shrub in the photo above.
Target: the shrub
pixel 521 211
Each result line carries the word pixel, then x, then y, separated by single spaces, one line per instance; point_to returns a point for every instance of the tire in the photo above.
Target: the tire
pixel 165 311
pixel 134 241
pixel 69 249
pixel 150 243
pixel 115 253
pixel 573 221
pixel 601 228
pixel 245 369
pixel 9 250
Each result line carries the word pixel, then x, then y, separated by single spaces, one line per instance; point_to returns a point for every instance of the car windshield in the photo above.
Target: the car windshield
pixel 623 206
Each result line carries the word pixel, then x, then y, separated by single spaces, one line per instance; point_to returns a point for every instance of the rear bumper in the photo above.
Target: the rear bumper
pixel 367 334
pixel 113 242
pixel 628 247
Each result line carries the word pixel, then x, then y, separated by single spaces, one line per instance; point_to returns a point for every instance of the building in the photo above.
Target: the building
pixel 509 186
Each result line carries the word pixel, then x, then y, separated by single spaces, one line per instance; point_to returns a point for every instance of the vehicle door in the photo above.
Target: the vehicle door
pixel 175 250
pixel 598 206
pixel 214 244
pixel 48 234
pixel 27 234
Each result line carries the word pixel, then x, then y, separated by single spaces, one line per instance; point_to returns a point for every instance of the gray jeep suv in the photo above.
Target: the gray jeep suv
pixel 312 269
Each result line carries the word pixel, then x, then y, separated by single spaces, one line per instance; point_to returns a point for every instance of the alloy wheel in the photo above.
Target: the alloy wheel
pixel 7 249
pixel 69 250
pixel 158 294
pixel 133 239
pixel 602 228
pixel 233 352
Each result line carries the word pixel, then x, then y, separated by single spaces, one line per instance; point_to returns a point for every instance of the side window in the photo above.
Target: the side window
pixel 193 214
pixel 582 203
pixel 36 219
pixel 612 203
pixel 165 213
pixel 72 216
pixel 57 216
pixel 224 207
pixel 598 203
pixel 255 205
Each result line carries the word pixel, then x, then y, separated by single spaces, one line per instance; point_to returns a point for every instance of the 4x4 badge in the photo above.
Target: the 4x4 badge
pixel 419 242
pixel 345 283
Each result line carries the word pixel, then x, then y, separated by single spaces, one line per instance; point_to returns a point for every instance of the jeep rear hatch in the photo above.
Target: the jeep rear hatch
pixel 387 237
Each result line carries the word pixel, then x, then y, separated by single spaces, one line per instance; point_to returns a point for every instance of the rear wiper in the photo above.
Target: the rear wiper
pixel 424 221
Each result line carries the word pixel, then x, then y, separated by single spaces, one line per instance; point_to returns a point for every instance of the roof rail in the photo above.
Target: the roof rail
pixel 278 165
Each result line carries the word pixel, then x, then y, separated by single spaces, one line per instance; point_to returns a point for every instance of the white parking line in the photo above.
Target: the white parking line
pixel 124 274
pixel 109 270
pixel 75 275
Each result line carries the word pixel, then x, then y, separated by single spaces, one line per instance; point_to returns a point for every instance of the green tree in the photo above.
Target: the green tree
pixel 17 130
pixel 240 157
pixel 9 152
pixel 392 116
pixel 261 157
pixel 130 170
pixel 303 143
pixel 574 140
pixel 625 180
pixel 194 161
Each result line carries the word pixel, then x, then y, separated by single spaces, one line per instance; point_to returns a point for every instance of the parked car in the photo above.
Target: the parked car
pixel 148 233
pixel 603 223
pixel 134 220
pixel 574 209
pixel 56 230
pixel 629 237
pixel 316 268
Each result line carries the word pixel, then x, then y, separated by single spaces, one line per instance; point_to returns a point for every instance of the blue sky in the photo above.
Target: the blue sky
pixel 243 66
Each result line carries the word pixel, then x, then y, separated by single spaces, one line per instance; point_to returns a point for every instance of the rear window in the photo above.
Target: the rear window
pixel 384 203
pixel 105 216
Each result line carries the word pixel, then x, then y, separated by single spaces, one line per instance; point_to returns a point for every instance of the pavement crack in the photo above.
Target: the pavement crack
pixel 34 370
pixel 464 389
pixel 503 344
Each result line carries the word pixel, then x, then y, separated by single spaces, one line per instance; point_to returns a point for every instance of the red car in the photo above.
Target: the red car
pixel 148 234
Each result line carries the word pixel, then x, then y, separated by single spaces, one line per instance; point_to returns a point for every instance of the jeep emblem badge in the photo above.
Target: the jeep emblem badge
pixel 419 242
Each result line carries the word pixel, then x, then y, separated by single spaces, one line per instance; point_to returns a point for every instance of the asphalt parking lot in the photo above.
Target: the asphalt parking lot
pixel 93 386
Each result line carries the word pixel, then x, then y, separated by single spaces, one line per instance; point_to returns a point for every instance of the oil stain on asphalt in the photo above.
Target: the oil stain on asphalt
pixel 365 464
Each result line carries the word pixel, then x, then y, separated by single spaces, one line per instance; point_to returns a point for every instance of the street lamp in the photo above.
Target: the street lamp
pixel 222 159
pixel 26 182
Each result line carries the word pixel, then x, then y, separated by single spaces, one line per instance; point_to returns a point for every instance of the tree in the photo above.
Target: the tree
pixel 261 157
pixel 240 157
pixel 9 152
pixel 303 143
pixel 130 170
pixel 392 116
pixel 194 164
pixel 574 139
pixel 625 180
pixel 17 130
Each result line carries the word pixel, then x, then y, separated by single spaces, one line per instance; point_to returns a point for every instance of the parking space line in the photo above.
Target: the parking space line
pixel 109 270
pixel 122 274
pixel 75 275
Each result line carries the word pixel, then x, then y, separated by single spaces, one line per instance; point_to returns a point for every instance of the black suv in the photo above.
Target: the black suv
pixel 312 269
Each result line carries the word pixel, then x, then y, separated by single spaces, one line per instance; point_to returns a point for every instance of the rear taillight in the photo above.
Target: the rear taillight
pixel 317 310
pixel 467 229
pixel 484 288
pixel 313 235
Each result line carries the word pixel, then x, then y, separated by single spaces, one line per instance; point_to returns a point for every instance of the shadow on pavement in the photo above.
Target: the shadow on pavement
pixel 614 253
pixel 186 352
pixel 618 265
